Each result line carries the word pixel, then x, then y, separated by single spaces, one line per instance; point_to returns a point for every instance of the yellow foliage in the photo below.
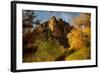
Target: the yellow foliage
pixel 82 54
pixel 87 35
pixel 87 31
pixel 80 36
pixel 75 39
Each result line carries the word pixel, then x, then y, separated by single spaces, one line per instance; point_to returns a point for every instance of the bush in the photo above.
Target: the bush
pixel 47 50
pixel 82 54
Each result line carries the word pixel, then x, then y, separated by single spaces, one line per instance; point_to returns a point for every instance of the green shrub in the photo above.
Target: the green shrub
pixel 47 50
pixel 82 54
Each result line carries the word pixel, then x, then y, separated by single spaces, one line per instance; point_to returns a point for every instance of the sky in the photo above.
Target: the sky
pixel 46 15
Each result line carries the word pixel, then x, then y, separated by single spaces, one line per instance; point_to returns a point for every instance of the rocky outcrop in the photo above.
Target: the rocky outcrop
pixel 54 28
pixel 58 27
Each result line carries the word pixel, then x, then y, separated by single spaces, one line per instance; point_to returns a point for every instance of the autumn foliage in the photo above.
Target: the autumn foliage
pixel 76 39
pixel 80 35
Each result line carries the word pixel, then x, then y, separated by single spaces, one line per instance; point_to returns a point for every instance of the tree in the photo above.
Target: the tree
pixel 84 19
pixel 28 17
pixel 87 36
pixel 76 39
pixel 80 36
